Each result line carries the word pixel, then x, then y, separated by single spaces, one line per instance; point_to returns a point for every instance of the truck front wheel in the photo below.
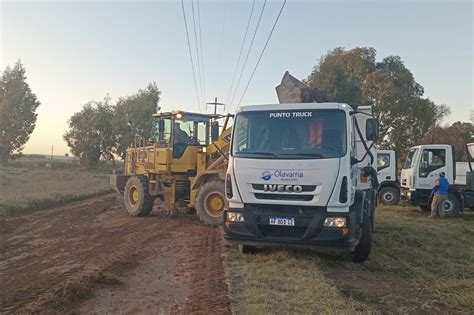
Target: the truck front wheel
pixel 362 250
pixel 452 205
pixel 210 203
pixel 137 200
pixel 389 196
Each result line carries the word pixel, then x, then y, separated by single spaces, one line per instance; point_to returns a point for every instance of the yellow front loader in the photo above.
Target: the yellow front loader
pixel 184 164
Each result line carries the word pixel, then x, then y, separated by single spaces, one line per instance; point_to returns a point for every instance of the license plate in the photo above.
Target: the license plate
pixel 288 221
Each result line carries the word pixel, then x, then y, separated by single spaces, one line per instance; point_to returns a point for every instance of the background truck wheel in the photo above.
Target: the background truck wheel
pixel 362 250
pixel 247 249
pixel 137 200
pixel 389 196
pixel 452 206
pixel 210 203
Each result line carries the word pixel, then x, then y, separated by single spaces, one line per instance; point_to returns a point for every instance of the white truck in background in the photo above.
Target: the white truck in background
pixel 422 168
pixel 389 186
pixel 302 175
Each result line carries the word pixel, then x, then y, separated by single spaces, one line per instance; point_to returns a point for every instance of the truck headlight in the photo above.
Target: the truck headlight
pixel 338 222
pixel 409 194
pixel 235 217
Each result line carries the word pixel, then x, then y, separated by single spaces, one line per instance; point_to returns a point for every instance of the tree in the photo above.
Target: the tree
pixel 457 135
pixel 89 135
pixel 134 115
pixel 354 77
pixel 18 115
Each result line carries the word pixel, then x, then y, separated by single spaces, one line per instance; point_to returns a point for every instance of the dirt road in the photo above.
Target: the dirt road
pixel 91 257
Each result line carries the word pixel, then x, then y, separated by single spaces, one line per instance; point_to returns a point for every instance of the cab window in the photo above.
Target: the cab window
pixel 383 161
pixel 431 160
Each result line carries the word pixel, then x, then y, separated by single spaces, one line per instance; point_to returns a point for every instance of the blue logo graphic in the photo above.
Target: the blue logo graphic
pixel 266 175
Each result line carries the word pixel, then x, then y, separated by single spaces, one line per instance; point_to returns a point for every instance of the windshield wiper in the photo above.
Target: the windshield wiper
pixel 259 153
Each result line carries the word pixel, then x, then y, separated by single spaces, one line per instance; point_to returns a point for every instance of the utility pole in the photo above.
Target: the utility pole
pixel 215 105
pixel 52 151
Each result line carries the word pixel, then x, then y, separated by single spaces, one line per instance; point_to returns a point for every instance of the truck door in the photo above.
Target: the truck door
pixel 432 162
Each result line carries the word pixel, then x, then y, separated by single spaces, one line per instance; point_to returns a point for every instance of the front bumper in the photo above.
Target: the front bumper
pixel 308 232
pixel 416 197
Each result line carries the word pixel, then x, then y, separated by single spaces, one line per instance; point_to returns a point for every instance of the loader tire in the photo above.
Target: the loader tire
pixel 210 203
pixel 137 200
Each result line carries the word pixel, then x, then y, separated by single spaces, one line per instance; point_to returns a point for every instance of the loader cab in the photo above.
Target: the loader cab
pixel 182 130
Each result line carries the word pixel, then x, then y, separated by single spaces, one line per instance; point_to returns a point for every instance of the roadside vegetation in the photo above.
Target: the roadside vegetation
pixel 32 184
pixel 417 265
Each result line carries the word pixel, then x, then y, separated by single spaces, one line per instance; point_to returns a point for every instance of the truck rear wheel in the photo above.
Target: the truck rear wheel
pixel 389 196
pixel 210 203
pixel 137 200
pixel 452 205
pixel 362 250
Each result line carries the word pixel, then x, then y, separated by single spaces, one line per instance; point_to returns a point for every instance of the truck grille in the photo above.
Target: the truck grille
pixel 286 232
pixel 283 197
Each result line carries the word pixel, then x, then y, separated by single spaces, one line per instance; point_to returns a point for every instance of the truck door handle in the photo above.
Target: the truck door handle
pixel 431 175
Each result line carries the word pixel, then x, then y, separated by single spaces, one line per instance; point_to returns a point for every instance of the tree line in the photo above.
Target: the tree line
pixel 103 130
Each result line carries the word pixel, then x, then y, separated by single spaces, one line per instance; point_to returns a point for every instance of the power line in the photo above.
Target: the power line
pixel 202 57
pixel 197 52
pixel 248 52
pixel 219 73
pixel 191 56
pixel 240 54
pixel 263 50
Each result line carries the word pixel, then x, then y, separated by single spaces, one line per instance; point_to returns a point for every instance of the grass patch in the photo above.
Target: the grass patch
pixel 283 282
pixel 417 265
pixel 32 185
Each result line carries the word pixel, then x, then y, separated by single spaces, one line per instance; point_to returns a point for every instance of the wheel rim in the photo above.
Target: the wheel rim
pixel 134 195
pixel 448 206
pixel 388 196
pixel 215 204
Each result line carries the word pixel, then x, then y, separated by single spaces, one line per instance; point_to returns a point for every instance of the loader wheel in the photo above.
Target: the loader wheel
pixel 136 198
pixel 210 203
pixel 362 250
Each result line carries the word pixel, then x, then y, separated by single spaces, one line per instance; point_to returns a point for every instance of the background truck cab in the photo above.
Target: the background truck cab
pixel 422 167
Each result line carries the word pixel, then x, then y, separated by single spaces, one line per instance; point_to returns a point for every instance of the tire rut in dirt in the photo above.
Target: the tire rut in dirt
pixel 203 270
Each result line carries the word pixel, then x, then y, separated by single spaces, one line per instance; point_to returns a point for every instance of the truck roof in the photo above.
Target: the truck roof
pixel 293 106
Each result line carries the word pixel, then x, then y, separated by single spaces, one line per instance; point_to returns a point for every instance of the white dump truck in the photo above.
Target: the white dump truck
pixel 302 175
pixel 389 186
pixel 422 168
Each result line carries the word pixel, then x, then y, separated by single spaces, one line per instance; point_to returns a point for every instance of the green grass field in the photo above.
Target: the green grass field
pixel 417 265
pixel 31 184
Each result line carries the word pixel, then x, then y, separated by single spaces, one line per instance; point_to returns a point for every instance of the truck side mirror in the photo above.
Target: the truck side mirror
pixel 372 129
pixel 161 125
pixel 214 131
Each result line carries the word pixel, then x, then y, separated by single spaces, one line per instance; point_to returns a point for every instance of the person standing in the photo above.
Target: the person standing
pixel 440 194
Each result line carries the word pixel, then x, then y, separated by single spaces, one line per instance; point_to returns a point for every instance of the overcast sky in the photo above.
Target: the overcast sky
pixel 75 52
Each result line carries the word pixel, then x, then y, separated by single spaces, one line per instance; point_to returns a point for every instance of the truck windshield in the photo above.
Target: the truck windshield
pixel 411 157
pixel 294 134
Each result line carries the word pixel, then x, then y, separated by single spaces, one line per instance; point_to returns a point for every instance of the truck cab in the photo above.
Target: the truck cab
pixel 422 167
pixel 300 175
pixel 389 187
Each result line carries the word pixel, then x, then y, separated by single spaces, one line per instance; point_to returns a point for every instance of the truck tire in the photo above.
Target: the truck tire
pixel 362 250
pixel 425 208
pixel 210 203
pixel 247 249
pixel 389 196
pixel 137 200
pixel 452 206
